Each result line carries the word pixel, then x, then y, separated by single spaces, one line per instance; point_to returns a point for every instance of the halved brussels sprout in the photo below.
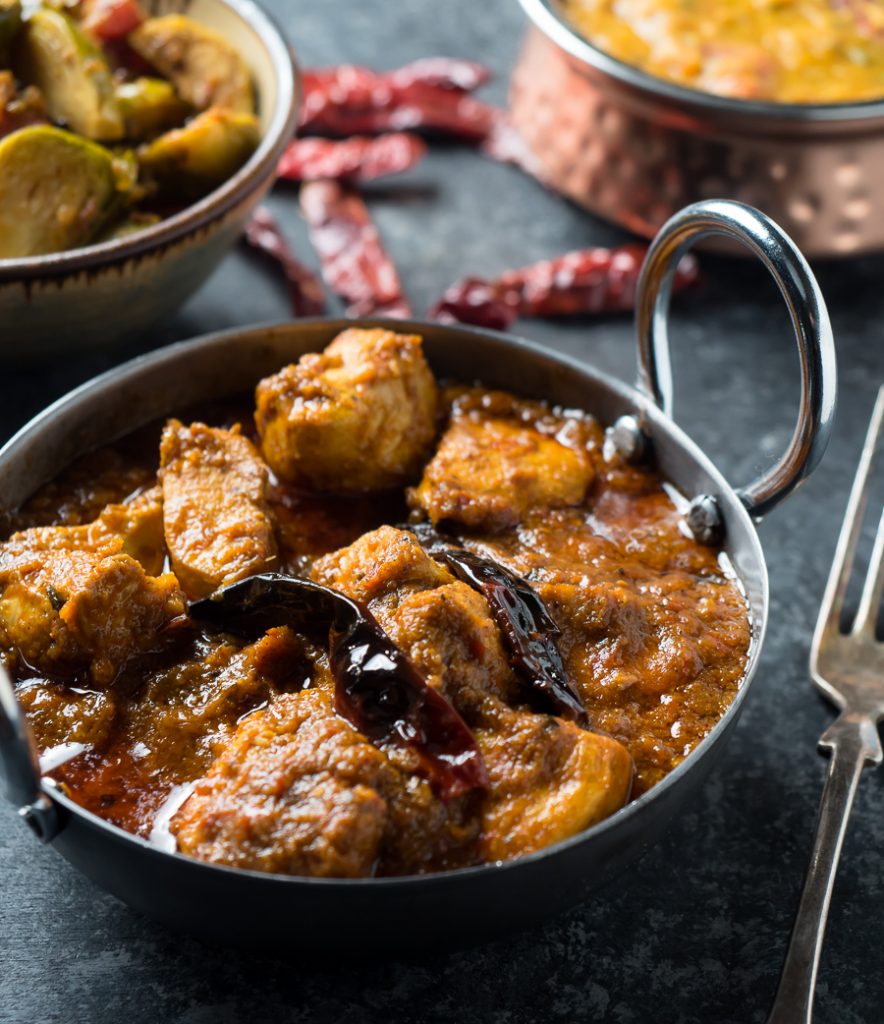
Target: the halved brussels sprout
pixel 149 106
pixel 204 68
pixel 202 154
pixel 56 191
pixel 70 71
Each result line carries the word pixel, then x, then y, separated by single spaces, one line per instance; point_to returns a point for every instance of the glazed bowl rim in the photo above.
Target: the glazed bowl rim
pixel 547 17
pixel 652 416
pixel 260 165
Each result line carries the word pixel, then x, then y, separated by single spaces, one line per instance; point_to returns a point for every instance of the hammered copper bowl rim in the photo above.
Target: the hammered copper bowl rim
pixel 260 166
pixel 547 17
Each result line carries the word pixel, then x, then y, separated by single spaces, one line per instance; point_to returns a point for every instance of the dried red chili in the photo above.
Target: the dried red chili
pixel 447 72
pixel 474 301
pixel 595 280
pixel 111 20
pixel 529 633
pixel 359 158
pixel 354 263
pixel 377 688
pixel 305 290
pixel 349 100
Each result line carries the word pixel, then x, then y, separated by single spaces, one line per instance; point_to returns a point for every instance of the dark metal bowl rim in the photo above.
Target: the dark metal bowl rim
pixel 544 14
pixel 655 421
pixel 260 166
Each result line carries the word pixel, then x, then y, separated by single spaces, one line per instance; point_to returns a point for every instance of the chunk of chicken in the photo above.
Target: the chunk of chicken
pixel 295 792
pixel 488 473
pixel 133 528
pixel 76 598
pixel 191 705
pixel 299 791
pixel 65 611
pixel 358 417
pixel 442 624
pixel 548 780
pixel 215 510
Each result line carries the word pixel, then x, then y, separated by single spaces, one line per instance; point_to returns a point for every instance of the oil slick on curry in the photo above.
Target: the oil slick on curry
pixel 349 460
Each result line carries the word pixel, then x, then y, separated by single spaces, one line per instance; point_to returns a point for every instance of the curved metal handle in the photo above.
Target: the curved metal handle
pixel 810 322
pixel 20 767
pixel 854 743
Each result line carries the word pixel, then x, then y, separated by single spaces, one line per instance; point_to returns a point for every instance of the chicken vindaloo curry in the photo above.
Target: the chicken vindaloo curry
pixel 110 120
pixel 788 51
pixel 376 627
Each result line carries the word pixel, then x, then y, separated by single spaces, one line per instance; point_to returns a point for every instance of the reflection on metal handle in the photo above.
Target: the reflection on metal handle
pixel 853 741
pixel 807 310
pixel 19 766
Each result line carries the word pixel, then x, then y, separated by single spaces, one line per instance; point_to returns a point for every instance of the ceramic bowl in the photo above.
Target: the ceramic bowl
pixel 114 290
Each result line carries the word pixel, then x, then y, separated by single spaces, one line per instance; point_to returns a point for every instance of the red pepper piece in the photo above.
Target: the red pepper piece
pixel 350 100
pixel 447 72
pixel 263 234
pixel 354 263
pixel 112 19
pixel 477 302
pixel 360 158
pixel 585 281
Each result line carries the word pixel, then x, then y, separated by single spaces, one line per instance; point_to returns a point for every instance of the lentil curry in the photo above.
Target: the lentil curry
pixel 787 51
pixel 534 637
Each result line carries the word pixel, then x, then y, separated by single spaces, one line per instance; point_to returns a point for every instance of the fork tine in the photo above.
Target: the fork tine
pixel 839 575
pixel 870 602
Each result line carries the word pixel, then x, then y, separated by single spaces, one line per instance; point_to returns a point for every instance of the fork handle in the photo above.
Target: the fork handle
pixel 853 741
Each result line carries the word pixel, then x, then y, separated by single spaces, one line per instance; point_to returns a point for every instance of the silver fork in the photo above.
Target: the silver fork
pixel 849 670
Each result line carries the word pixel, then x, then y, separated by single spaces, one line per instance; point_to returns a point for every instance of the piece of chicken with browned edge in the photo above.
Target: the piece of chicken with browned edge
pixel 360 416
pixel 549 779
pixel 492 467
pixel 85 598
pixel 299 791
pixel 217 519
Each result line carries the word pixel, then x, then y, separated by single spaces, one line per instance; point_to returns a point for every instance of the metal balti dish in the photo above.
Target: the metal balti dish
pixel 634 148
pixel 475 902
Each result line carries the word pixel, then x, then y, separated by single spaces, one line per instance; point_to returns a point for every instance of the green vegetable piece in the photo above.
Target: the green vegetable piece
pixel 10 23
pixel 149 106
pixel 71 72
pixel 56 191
pixel 204 153
pixel 205 69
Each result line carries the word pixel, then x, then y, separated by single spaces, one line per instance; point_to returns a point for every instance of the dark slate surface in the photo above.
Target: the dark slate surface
pixel 694 933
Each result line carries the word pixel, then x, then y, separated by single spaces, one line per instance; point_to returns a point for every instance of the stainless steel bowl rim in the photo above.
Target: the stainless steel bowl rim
pixel 545 15
pixel 261 163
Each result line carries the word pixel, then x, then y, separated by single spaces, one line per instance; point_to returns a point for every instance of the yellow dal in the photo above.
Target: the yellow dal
pixel 788 51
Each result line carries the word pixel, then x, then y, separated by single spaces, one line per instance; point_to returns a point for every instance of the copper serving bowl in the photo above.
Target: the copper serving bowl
pixel 634 148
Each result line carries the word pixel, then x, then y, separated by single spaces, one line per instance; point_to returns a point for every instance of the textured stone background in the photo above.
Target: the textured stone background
pixel 696 932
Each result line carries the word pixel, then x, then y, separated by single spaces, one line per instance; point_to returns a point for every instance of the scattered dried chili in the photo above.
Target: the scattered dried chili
pixel 359 158
pixel 305 289
pixel 475 301
pixel 354 263
pixel 447 72
pixel 587 281
pixel 111 20
pixel 377 688
pixel 527 629
pixel 349 100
